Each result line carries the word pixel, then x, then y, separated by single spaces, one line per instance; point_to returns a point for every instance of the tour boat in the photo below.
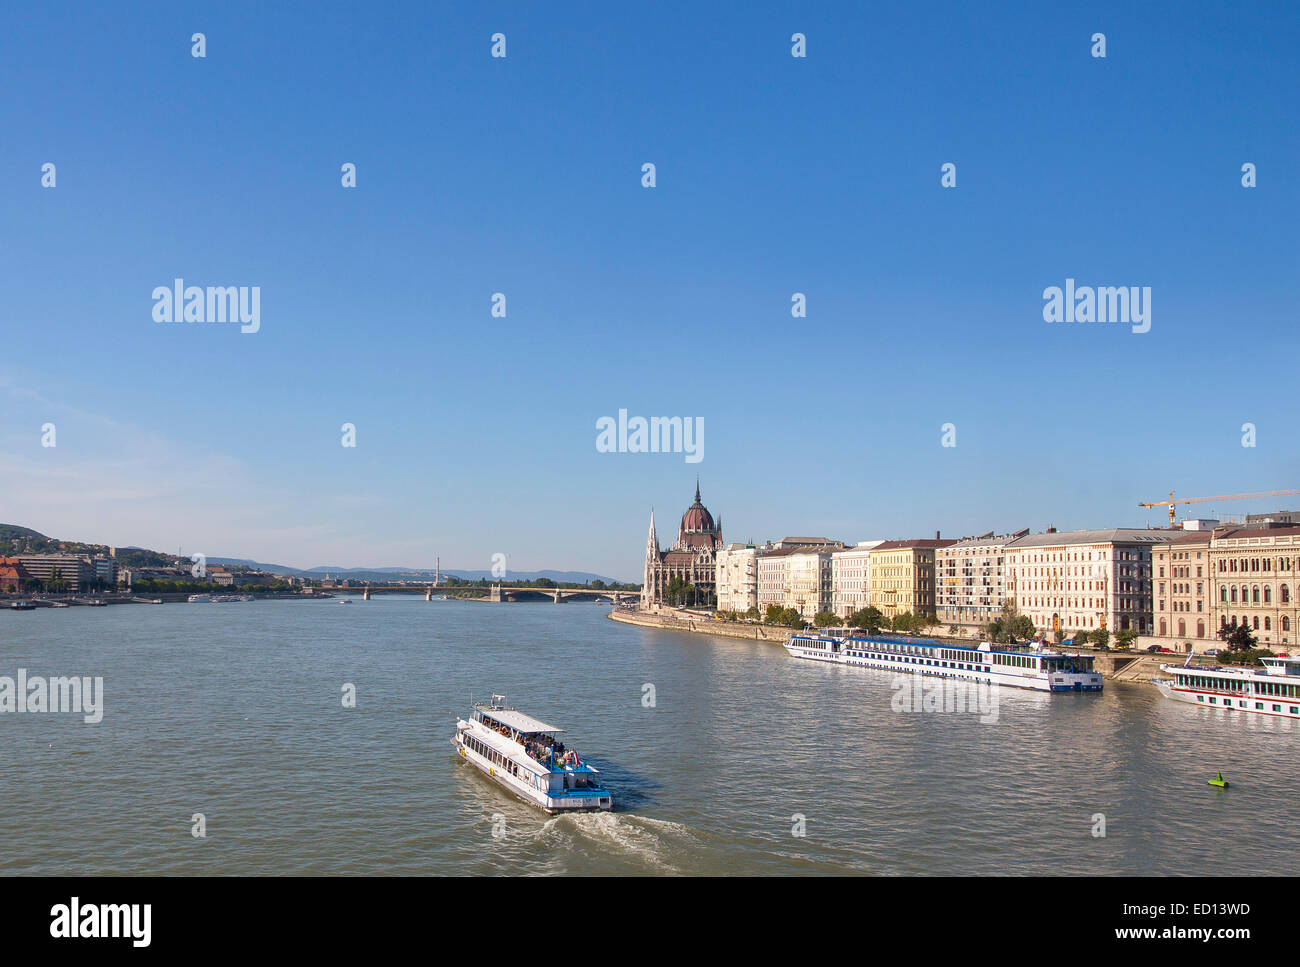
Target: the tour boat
pixel 1017 666
pixel 524 755
pixel 1271 690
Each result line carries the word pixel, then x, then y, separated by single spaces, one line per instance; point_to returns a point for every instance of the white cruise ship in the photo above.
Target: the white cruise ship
pixel 526 757
pixel 1271 690
pixel 1013 665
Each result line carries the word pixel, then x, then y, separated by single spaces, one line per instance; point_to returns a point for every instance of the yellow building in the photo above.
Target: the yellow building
pixel 902 577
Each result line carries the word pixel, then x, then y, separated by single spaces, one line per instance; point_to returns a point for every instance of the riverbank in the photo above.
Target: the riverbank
pixel 1121 666
pixel 704 626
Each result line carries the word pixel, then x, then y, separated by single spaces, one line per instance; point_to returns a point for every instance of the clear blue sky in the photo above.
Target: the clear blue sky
pixel 775 175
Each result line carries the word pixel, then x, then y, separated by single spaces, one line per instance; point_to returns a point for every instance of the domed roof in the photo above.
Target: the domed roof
pixel 697 517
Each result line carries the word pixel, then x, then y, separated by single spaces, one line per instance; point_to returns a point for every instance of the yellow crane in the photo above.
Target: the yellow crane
pixel 1199 500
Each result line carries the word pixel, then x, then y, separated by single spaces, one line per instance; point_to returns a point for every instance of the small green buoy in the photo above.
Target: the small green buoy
pixel 1219 781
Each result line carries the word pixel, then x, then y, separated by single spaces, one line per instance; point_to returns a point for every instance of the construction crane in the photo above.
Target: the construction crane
pixel 1199 500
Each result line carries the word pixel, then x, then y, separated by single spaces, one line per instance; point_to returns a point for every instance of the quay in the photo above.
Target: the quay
pixel 1120 666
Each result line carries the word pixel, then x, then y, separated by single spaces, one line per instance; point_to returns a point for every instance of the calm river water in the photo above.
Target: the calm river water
pixel 234 711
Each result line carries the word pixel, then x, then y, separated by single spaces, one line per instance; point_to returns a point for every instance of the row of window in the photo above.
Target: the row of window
pixel 1229 593
pixel 1259 706
pixel 1229 565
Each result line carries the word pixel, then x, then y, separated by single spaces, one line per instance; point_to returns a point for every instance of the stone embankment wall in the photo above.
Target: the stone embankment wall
pixel 723 629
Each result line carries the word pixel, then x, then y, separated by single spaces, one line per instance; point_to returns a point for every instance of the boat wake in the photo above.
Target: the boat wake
pixel 614 836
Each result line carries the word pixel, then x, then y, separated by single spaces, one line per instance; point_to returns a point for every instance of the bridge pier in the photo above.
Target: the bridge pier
pixel 494 593
pixel 428 594
pixel 365 595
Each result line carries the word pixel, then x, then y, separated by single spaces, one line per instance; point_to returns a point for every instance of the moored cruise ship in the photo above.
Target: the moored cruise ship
pixel 525 756
pixel 1271 690
pixel 1012 665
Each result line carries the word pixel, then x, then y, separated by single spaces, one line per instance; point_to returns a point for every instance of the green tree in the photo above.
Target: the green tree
pixel 905 622
pixel 1101 638
pixel 1126 638
pixel 677 591
pixel 825 619
pixel 1237 637
pixel 1022 628
pixel 868 619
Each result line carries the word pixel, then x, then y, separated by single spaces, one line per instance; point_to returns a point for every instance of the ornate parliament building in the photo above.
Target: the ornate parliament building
pixel 693 558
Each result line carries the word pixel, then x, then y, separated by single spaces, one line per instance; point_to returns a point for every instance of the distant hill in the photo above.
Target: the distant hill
pixel 15 539
pixel 11 531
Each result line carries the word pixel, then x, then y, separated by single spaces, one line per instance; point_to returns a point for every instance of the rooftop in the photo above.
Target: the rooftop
pixel 1112 535
pixel 516 720
pixel 925 542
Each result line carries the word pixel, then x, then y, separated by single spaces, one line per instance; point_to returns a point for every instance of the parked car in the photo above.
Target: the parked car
pixel 1166 651
pixel 1211 651
pixel 1153 649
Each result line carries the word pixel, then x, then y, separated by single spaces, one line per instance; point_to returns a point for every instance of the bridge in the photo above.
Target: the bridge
pixel 500 592
pixel 495 592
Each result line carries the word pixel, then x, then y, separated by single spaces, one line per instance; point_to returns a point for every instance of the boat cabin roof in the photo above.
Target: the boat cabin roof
pixel 514 719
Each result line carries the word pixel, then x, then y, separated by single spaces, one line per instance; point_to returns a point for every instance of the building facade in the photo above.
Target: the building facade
pixel 692 558
pixel 970 581
pixel 1254 579
pixel 1085 580
pixel 14 578
pixel 772 577
pixel 1181 596
pixel 737 578
pixel 902 577
pixel 808 581
pixel 70 572
pixel 851 578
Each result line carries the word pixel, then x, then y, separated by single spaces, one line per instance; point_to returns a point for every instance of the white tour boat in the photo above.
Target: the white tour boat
pixel 1018 666
pixel 1271 690
pixel 524 755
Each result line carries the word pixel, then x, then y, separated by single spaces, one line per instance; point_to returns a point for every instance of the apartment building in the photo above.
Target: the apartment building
pixel 902 576
pixel 737 577
pixel 851 578
pixel 970 581
pixel 1084 580
pixel 808 581
pixel 1182 597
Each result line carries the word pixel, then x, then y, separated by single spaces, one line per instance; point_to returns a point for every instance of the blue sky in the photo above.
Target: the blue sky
pixel 522 175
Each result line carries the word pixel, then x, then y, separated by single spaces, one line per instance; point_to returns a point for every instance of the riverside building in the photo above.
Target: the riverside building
pixel 851 578
pixel 1084 580
pixel 970 581
pixel 902 576
pixel 692 558
pixel 737 577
